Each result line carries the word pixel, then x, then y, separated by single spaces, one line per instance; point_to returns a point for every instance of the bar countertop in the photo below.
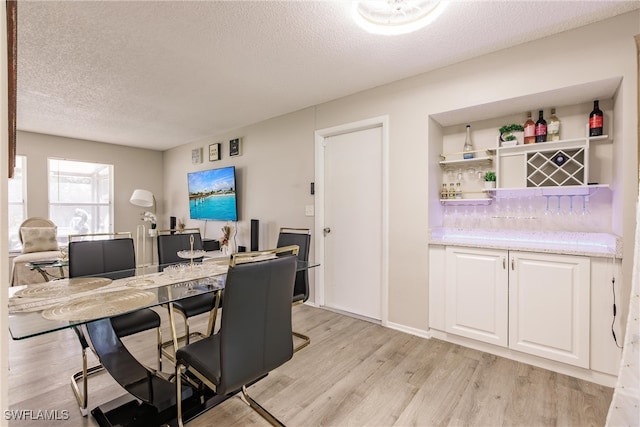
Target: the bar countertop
pixel 558 242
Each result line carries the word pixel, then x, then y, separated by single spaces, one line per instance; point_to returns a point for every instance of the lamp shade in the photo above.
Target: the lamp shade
pixel 143 198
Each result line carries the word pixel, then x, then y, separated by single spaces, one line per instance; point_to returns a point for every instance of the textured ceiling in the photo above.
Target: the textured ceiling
pixel 158 74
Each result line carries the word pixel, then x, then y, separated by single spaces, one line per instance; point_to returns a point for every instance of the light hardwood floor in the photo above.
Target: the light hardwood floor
pixel 354 373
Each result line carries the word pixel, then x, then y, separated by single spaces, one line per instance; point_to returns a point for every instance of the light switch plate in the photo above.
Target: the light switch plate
pixel 308 210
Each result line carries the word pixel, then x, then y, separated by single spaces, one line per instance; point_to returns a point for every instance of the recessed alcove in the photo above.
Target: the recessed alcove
pixel 590 162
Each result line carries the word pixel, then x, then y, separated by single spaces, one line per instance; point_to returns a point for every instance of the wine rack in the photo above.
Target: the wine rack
pixel 560 167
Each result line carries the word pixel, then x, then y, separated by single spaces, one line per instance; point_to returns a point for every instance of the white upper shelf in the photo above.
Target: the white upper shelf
pixel 460 162
pixel 553 145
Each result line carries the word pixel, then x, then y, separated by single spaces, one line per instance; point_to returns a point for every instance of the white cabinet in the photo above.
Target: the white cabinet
pixel 549 302
pixel 476 294
pixel 530 302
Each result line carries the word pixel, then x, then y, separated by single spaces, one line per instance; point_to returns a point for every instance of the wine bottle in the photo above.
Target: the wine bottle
pixel 553 127
pixel 468 147
pixel 529 130
pixel 444 193
pixel 559 159
pixel 595 120
pixel 541 128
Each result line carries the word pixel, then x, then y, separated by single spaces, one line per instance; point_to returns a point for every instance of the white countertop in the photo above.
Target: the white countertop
pixel 560 242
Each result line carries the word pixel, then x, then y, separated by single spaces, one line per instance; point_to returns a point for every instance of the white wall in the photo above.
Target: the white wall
pixel 275 178
pixel 133 168
pixel 273 175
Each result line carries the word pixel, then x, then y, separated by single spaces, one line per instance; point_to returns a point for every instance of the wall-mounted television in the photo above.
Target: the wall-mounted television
pixel 212 194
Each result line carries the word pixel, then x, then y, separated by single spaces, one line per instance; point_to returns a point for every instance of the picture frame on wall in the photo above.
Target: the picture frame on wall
pixel 235 148
pixel 196 155
pixel 214 152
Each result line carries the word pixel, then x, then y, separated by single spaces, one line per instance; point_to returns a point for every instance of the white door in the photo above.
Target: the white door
pixel 353 221
pixel 476 295
pixel 549 306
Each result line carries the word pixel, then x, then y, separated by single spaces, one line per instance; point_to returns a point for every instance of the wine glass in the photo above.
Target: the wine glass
pixel 559 211
pixel 475 219
pixel 531 208
pixel 547 212
pixel 447 219
pixel 508 214
pixel 455 217
pixel 585 211
pixel 470 172
pixel 572 220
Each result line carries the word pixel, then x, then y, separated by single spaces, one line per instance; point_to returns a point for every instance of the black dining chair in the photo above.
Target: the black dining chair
pixel 112 256
pixel 255 334
pixel 300 237
pixel 170 242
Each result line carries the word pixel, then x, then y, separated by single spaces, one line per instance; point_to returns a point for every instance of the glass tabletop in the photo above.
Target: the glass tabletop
pixel 57 263
pixel 59 304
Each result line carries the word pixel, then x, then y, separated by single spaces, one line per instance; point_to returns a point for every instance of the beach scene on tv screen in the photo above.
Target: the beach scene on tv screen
pixel 212 195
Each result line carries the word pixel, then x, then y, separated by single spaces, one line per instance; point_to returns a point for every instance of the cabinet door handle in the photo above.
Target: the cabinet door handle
pixel 504 264
pixel 513 265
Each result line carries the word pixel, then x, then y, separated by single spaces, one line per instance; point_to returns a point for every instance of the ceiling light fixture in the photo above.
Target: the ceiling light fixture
pixel 391 17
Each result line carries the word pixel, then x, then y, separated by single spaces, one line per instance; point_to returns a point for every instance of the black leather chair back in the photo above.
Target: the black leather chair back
pixel 303 241
pixel 115 259
pixel 170 244
pixel 255 332
pixel 112 258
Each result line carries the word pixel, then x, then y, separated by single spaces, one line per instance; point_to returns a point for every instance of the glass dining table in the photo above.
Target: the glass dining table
pixel 86 304
pixel 65 303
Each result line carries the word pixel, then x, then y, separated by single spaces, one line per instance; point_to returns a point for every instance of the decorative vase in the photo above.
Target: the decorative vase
pixel 489 185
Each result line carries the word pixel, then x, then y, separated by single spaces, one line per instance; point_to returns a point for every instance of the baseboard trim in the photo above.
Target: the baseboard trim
pixel 601 378
pixel 409 330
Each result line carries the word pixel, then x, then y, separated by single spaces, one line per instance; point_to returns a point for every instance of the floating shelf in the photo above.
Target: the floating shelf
pixel 483 154
pixel 467 162
pixel 466 202
pixel 567 190
pixel 552 145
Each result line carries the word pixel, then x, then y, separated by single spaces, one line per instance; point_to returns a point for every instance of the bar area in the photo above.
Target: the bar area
pixel 525 242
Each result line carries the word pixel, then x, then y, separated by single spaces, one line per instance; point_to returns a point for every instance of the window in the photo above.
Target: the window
pixel 80 197
pixel 17 204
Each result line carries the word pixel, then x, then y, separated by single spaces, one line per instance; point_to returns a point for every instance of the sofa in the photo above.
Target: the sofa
pixel 38 238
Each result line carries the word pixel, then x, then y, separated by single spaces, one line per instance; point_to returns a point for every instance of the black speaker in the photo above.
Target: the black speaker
pixel 255 230
pixel 242 249
pixel 172 223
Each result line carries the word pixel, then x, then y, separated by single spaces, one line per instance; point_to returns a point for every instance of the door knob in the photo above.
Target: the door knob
pixel 326 230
